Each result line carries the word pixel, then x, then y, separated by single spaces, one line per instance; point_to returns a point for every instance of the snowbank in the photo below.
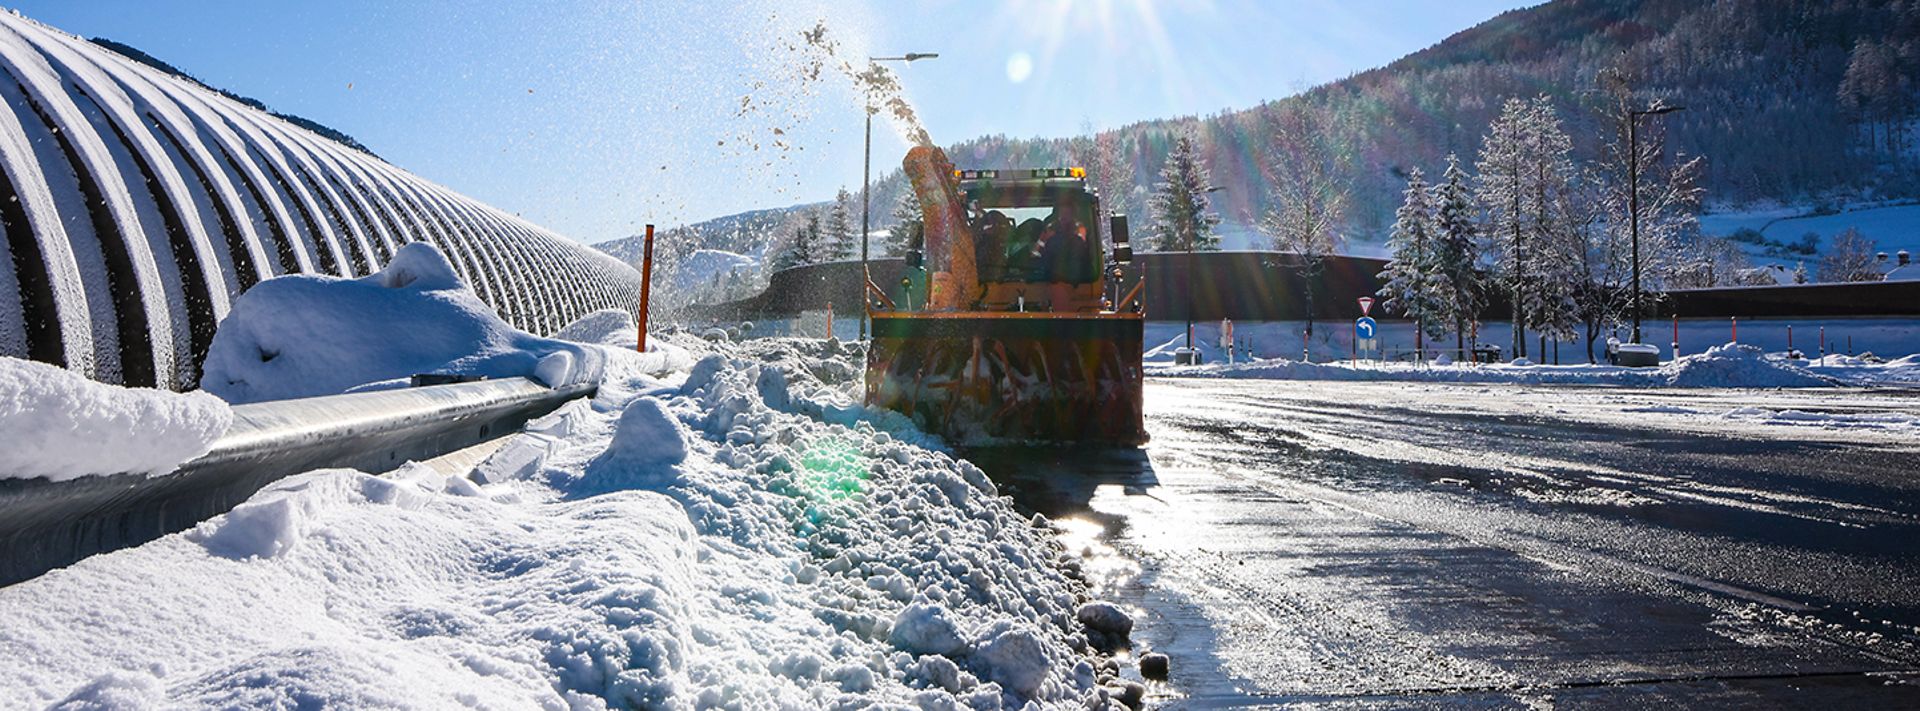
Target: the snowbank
pixel 304 336
pixel 745 537
pixel 1726 366
pixel 60 425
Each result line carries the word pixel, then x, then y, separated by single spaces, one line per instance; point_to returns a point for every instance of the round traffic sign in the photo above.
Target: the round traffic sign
pixel 1364 327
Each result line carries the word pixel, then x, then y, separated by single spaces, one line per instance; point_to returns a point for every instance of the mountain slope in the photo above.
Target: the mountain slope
pixel 1760 80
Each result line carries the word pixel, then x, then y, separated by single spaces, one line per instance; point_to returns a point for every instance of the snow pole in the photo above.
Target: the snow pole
pixel 646 290
pixel 1676 336
pixel 1823 345
pixel 829 320
pixel 1789 340
pixel 1736 330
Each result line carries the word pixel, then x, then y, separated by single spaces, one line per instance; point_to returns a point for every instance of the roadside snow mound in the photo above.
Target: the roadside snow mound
pixel 606 326
pixel 667 545
pixel 1737 366
pixel 304 336
pixel 60 425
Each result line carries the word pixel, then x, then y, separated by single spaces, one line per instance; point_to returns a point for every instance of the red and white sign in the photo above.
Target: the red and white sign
pixel 1366 305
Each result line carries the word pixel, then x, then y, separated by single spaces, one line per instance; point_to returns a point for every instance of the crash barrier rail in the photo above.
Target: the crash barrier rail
pixel 49 524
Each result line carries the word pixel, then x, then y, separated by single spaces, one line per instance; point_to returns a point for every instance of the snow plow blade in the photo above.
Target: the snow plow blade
pixel 980 378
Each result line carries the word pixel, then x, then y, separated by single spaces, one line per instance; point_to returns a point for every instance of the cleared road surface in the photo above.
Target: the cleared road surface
pixel 1403 544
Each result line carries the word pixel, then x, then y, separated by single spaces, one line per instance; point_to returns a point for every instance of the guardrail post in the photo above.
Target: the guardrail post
pixel 646 290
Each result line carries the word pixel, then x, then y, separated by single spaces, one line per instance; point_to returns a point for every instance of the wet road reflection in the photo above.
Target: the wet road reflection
pixel 1387 545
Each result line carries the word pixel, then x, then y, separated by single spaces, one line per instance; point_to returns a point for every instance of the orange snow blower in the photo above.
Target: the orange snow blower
pixel 1007 334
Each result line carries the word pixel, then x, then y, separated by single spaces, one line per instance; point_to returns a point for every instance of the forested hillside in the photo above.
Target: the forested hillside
pixel 1769 99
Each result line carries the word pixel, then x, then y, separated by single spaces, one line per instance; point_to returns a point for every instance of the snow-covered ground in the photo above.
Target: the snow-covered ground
pixel 1726 366
pixel 733 531
pixel 1333 340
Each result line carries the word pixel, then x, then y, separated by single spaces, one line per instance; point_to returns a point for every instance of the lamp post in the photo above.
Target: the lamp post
pixel 866 172
pixel 1633 195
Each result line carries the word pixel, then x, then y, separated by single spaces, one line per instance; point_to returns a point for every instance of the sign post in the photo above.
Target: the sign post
pixel 1226 337
pixel 1365 329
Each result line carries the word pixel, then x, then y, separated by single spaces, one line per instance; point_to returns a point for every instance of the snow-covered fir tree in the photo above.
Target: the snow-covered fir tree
pixel 1800 273
pixel 1458 283
pixel 1181 215
pixel 1409 279
pixel 790 247
pixel 908 223
pixel 838 238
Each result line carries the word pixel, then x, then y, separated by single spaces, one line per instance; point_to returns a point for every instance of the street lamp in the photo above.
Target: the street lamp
pixel 1633 195
pixel 866 172
pixel 1193 356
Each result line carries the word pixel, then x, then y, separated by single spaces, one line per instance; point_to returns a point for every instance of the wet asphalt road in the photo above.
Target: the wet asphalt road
pixel 1391 545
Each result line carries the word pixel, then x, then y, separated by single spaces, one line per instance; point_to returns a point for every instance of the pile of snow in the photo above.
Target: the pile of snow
pixel 740 534
pixel 60 425
pixel 1737 366
pixel 1726 366
pixel 304 336
pixel 607 326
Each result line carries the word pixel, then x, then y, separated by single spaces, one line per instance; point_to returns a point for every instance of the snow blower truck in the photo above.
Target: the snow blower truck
pixel 1007 333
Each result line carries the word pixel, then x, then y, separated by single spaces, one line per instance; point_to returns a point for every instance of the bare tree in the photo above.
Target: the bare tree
pixel 1312 179
pixel 1850 258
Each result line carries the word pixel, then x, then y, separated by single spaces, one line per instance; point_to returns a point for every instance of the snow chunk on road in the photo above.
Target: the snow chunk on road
pixel 304 336
pixel 59 425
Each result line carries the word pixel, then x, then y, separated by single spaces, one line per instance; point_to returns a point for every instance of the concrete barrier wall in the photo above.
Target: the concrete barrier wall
pixel 137 205
pixel 1268 286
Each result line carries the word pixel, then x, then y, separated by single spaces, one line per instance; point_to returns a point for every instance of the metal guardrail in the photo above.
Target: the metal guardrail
pixel 46 524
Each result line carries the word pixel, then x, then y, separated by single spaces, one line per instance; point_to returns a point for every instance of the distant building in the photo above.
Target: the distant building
pixel 1904 269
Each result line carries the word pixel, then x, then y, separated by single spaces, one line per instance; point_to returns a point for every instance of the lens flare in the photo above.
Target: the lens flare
pixel 1019 67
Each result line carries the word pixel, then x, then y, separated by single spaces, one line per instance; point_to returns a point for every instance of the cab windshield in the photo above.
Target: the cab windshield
pixel 1035 234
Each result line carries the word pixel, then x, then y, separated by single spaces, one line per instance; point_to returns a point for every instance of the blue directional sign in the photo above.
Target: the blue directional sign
pixel 1364 327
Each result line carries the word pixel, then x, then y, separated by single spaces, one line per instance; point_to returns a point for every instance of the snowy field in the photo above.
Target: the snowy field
pixel 721 526
pixel 1891 228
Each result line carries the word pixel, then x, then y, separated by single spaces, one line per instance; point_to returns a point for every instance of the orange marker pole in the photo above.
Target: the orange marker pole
pixel 646 289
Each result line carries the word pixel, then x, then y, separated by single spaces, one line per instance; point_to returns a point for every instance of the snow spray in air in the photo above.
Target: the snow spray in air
pixel 879 84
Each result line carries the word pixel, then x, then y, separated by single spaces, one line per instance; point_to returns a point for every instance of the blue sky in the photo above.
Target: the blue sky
pixel 594 117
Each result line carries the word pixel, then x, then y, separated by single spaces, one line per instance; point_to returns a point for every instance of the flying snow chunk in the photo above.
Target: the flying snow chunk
pixel 59 425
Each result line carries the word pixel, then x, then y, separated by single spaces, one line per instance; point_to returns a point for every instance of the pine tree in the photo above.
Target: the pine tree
pixel 790 248
pixel 837 240
pixel 812 241
pixel 908 225
pixel 1181 217
pixel 1800 273
pixel 1411 277
pixel 1458 282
